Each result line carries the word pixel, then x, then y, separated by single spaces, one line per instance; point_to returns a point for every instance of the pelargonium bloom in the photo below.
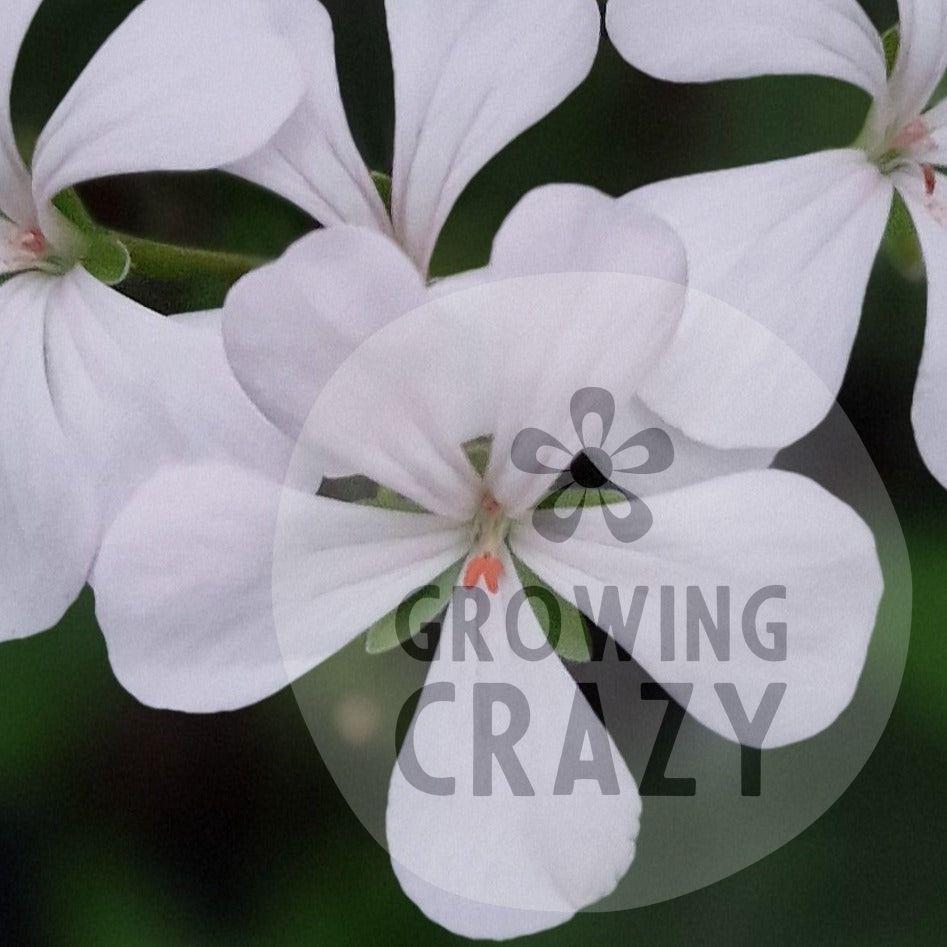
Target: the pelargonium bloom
pixel 214 612
pixel 94 389
pixel 469 76
pixel 792 243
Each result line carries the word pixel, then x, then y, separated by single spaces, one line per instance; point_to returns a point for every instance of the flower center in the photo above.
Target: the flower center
pixel 490 529
pixel 913 135
pixel 20 249
pixel 910 144
pixel 910 149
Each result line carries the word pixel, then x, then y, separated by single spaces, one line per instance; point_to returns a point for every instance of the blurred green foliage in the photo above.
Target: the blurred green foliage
pixel 124 826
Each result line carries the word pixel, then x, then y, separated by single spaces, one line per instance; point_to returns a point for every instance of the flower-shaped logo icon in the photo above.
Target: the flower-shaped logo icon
pixel 586 479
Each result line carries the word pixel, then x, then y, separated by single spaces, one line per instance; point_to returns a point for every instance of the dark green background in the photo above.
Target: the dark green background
pixel 120 825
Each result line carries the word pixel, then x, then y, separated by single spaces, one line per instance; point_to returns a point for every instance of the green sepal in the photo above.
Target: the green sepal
pixel 388 499
pixel 561 622
pixel 419 609
pixel 70 205
pixel 102 253
pixel 478 453
pixel 382 183
pixel 365 492
pixel 891 40
pixel 574 497
pixel 106 258
pixel 901 243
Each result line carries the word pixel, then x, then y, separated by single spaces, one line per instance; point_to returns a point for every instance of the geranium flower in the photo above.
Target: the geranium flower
pixel 190 580
pixel 95 389
pixel 792 243
pixel 469 75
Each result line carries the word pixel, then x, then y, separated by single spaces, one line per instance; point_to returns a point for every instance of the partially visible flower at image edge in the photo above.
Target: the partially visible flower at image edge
pixel 96 390
pixel 792 242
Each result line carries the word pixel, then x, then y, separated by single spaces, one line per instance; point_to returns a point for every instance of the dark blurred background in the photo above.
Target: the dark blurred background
pixel 121 825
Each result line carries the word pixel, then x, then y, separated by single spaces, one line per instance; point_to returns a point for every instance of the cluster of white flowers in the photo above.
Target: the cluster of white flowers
pixel 176 464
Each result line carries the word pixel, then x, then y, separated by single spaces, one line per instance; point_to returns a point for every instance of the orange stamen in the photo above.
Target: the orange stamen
pixel 486 567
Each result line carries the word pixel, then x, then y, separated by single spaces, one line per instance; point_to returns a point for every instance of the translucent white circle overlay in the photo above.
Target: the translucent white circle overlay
pixel 492 359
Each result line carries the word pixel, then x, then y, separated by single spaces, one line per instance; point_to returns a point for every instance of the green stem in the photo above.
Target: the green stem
pixel 169 263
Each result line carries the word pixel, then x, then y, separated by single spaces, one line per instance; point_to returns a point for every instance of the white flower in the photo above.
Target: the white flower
pixel 469 76
pixel 203 611
pixel 94 389
pixel 792 243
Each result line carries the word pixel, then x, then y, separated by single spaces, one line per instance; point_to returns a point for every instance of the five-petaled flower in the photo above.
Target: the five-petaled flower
pixel 242 614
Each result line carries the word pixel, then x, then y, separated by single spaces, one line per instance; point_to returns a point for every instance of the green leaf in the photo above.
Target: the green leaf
pixel 574 497
pixel 417 610
pixel 383 186
pixel 892 44
pixel 562 622
pixel 478 453
pixel 901 243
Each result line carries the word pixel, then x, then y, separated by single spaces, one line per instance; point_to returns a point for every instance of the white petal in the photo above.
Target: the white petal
pixel 313 160
pixel 787 249
pixel 203 612
pixel 48 526
pixel 16 199
pixel 491 360
pixel 936 120
pixel 608 333
pixel 340 567
pixel 691 461
pixel 100 392
pixel 221 421
pixel 564 228
pixel 500 865
pixel 182 591
pixel 401 407
pixel 922 57
pixel 930 397
pixel 747 533
pixel 288 326
pixel 179 86
pixel 134 390
pixel 471 75
pixel 706 40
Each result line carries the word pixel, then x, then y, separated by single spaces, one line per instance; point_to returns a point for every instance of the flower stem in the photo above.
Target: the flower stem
pixel 170 263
